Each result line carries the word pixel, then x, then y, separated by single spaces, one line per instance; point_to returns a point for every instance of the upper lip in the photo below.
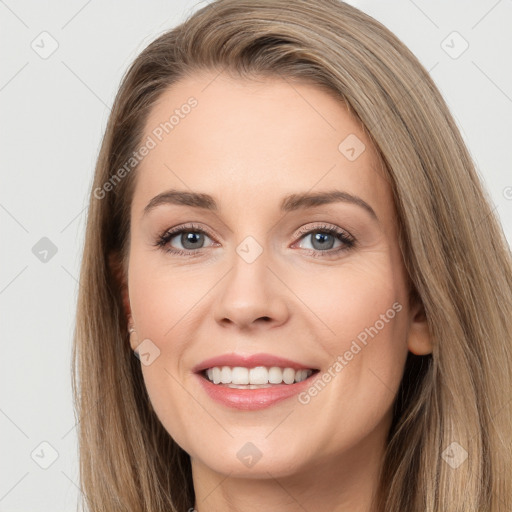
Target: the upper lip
pixel 250 361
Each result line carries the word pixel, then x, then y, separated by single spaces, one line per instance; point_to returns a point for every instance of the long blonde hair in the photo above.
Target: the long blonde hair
pixel 458 261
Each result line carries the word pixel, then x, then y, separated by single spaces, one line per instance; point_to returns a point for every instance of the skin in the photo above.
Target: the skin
pixel 248 144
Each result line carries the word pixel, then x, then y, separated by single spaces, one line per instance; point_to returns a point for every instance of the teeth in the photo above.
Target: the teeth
pixel 253 378
pixel 258 375
pixel 288 375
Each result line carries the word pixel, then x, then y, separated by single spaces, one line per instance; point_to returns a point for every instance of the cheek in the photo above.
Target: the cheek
pixel 163 304
pixel 364 330
pixel 349 302
pixel 160 298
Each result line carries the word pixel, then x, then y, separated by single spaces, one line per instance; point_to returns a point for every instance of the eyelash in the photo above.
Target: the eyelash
pixel 347 239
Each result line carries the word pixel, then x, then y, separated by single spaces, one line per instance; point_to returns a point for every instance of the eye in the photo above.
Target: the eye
pixel 322 239
pixel 191 238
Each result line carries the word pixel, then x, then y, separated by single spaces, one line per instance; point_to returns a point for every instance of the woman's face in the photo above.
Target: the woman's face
pixel 283 245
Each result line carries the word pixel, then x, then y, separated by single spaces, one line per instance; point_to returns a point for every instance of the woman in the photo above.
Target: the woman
pixel 287 231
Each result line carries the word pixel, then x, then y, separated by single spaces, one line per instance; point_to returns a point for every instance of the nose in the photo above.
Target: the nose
pixel 251 296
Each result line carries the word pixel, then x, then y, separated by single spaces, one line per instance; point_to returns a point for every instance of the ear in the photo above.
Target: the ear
pixel 119 273
pixel 419 340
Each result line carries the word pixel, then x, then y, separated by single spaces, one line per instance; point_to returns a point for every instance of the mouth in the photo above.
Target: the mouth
pixel 258 377
pixel 253 381
pixel 255 388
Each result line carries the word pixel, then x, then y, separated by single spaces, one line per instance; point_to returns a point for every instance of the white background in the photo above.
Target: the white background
pixel 53 114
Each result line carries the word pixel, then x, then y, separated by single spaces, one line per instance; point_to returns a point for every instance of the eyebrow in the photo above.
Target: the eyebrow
pixel 289 203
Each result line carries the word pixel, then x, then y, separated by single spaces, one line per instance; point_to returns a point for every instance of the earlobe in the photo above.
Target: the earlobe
pixel 134 340
pixel 419 340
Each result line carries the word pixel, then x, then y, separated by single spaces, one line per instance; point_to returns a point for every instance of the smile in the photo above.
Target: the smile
pixel 259 377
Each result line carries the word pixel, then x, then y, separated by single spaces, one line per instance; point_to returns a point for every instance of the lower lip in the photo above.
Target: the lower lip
pixel 252 399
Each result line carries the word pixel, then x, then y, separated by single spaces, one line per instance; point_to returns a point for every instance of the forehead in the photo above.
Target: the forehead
pixel 255 141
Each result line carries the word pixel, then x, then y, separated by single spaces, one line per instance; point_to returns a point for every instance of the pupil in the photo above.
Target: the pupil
pixel 321 238
pixel 190 238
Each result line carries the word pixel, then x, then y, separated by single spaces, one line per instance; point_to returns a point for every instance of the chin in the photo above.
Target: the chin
pixel 262 468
